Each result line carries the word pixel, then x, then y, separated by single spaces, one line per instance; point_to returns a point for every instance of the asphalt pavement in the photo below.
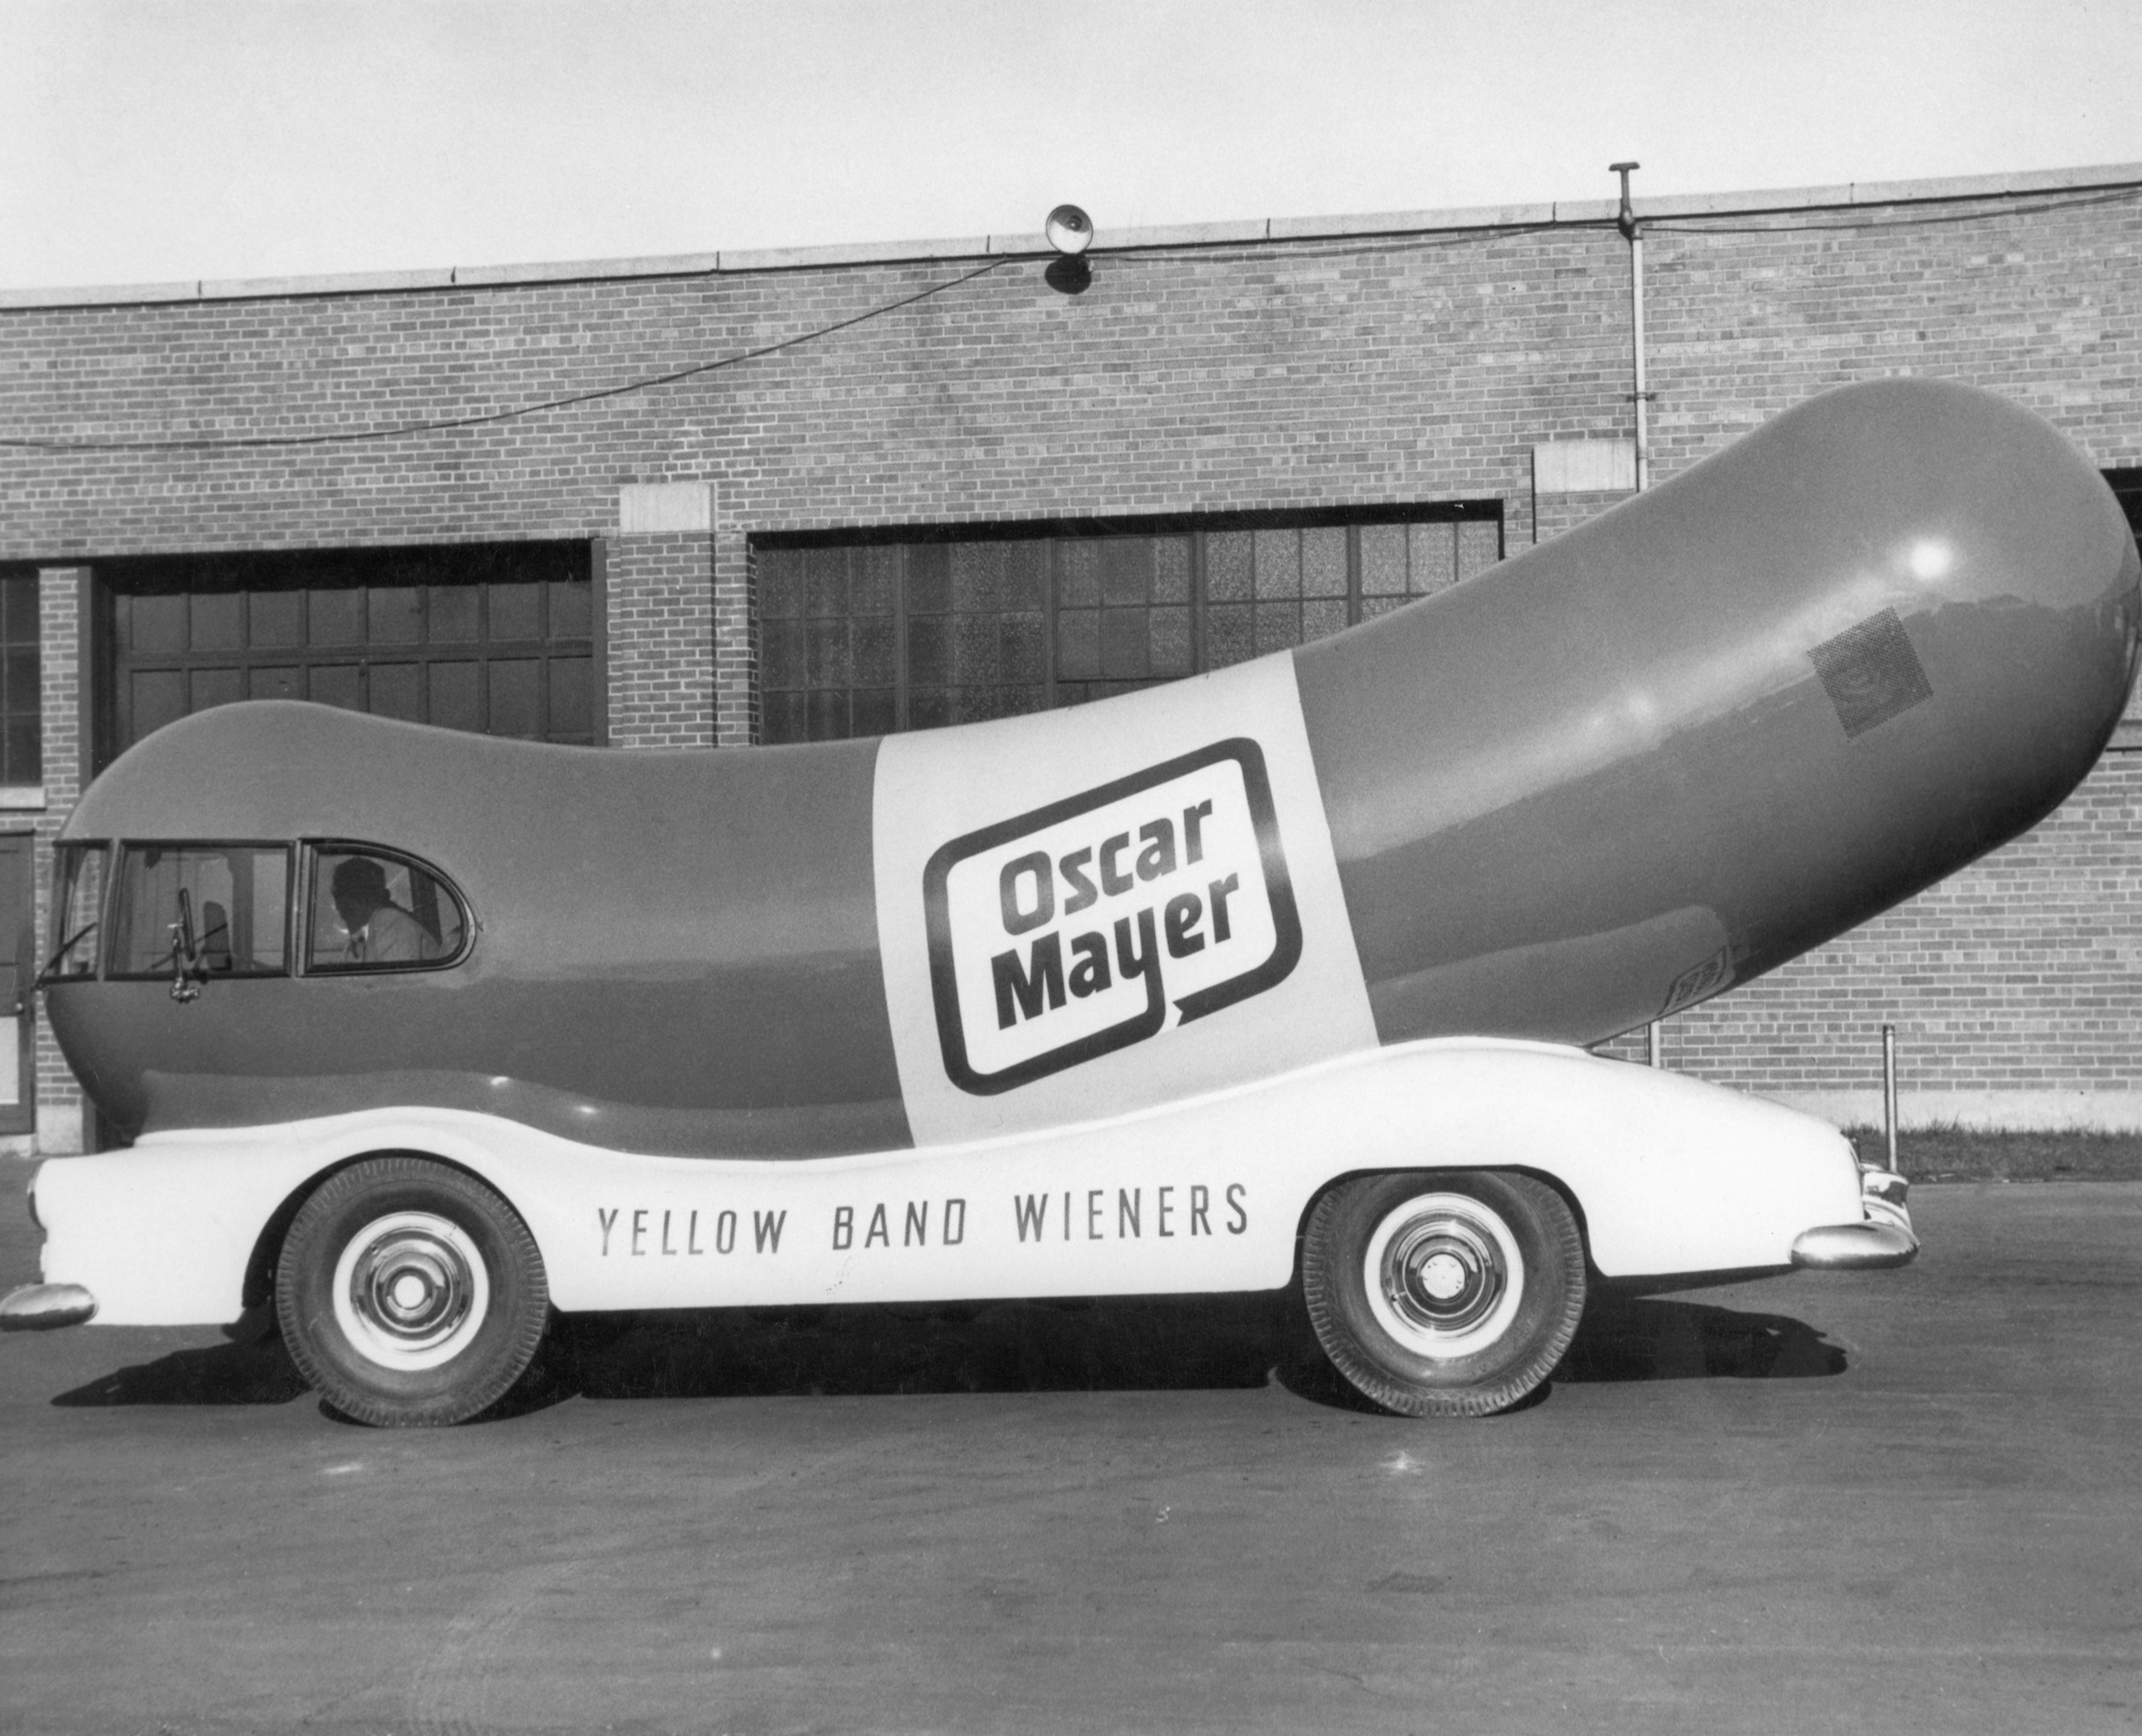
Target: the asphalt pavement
pixel 1894 1501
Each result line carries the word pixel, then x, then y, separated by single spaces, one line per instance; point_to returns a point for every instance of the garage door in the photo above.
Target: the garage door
pixel 499 639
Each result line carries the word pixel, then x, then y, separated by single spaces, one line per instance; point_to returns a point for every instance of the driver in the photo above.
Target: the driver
pixel 381 932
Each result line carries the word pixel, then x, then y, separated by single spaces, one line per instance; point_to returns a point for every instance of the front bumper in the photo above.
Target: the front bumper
pixel 38 1307
pixel 1882 1238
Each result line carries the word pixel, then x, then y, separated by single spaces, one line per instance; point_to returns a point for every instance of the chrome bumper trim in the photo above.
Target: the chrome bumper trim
pixel 38 1307
pixel 1855 1247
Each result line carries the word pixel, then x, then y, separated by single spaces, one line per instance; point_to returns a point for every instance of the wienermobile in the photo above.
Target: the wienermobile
pixel 1284 971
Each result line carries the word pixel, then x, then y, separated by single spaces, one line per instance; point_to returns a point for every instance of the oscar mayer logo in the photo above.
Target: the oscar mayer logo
pixel 1075 930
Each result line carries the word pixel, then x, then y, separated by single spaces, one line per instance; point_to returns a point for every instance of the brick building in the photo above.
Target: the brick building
pixel 731 498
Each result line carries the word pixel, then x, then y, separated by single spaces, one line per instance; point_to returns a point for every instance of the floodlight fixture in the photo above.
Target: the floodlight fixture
pixel 1069 230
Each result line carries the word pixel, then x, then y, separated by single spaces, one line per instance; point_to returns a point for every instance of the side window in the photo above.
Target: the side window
pixel 233 900
pixel 374 911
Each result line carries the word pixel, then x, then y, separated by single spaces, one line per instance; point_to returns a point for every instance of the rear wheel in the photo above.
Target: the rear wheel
pixel 409 1293
pixel 1450 1292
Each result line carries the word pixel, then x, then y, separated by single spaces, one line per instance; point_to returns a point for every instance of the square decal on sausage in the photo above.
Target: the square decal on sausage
pixel 1101 919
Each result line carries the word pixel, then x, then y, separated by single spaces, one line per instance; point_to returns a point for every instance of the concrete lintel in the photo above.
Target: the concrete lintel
pixel 657 509
pixel 1584 467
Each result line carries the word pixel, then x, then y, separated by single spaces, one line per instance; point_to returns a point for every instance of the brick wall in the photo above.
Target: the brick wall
pixel 661 640
pixel 2015 988
pixel 1331 369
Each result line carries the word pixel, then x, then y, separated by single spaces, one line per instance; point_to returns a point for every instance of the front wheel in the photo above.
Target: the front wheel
pixel 1450 1292
pixel 410 1294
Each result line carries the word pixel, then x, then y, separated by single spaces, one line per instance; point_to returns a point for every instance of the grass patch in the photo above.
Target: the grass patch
pixel 1950 1153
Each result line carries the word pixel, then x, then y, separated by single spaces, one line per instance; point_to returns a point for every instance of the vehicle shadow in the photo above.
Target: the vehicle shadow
pixel 1654 1338
pixel 1121 1345
pixel 252 1369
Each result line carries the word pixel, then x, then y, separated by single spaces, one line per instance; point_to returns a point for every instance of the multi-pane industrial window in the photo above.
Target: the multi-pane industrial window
pixel 21 731
pixel 867 638
pixel 497 638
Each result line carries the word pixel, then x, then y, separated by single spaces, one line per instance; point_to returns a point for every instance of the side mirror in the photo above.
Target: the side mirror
pixel 188 973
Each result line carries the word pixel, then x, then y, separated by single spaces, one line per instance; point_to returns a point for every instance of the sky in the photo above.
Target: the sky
pixel 160 141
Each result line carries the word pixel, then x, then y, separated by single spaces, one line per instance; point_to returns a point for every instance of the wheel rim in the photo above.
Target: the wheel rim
pixel 410 1290
pixel 1443 1275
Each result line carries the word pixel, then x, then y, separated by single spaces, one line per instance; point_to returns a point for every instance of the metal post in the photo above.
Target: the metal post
pixel 1889 1093
pixel 1625 221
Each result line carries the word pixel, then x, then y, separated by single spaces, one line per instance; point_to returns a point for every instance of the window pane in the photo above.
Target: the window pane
pixel 778 574
pixel 1228 566
pixel 75 943
pixel 1279 625
pixel 1078 645
pixel 1124 650
pixel 1434 548
pixel 977 576
pixel 875 654
pixel 1170 569
pixel 780 719
pixel 230 900
pixel 1323 562
pixel 1321 619
pixel 19 610
pixel 873 578
pixel 1279 563
pixel 873 713
pixel 1227 636
pixel 1077 575
pixel 1479 546
pixel 375 911
pixel 1126 569
pixel 1170 642
pixel 1383 560
pixel 24 751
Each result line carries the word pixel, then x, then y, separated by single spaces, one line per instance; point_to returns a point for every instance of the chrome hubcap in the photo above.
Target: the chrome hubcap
pixel 1443 1276
pixel 410 1290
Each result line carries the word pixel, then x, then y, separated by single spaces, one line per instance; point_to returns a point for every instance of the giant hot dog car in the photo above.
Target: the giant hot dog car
pixel 1284 970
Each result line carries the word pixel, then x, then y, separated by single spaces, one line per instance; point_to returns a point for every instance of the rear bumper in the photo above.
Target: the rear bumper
pixel 39 1307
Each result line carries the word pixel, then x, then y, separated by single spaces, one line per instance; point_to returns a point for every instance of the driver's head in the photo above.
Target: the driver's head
pixel 358 887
